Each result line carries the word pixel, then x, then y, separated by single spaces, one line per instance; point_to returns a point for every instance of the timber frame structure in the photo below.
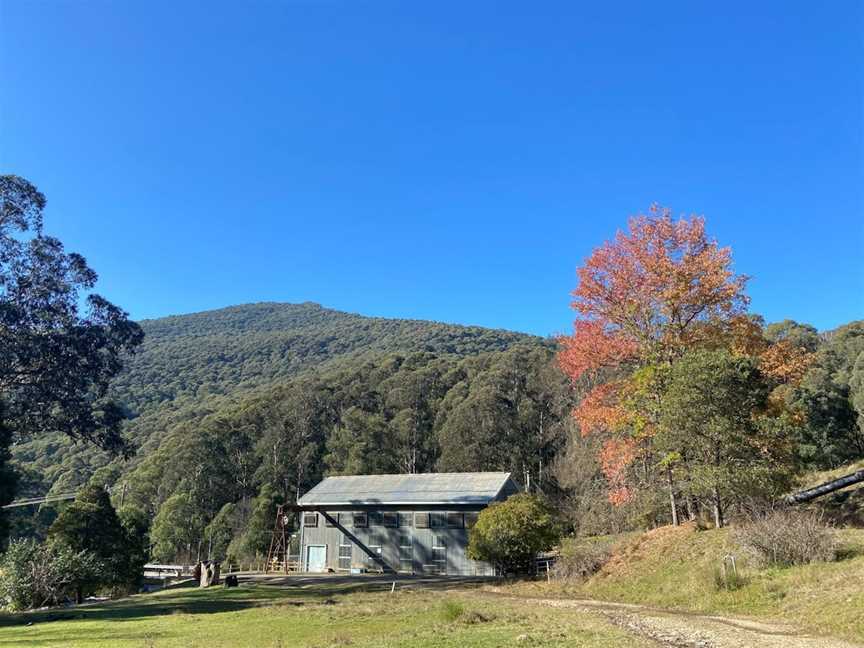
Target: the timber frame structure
pixel 278 556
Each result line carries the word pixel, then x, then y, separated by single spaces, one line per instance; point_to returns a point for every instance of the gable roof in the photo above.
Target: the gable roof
pixel 429 488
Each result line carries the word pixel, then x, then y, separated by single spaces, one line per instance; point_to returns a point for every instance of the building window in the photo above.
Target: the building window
pixel 360 520
pixel 455 520
pixel 421 520
pixel 470 520
pixel 344 553
pixel 391 519
pixel 330 519
pixel 406 554
pixel 345 519
pixel 310 519
pixel 376 518
pixel 439 554
pixel 406 520
pixel 438 520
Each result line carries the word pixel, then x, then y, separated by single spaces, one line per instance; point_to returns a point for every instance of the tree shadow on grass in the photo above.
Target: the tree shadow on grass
pixel 254 591
pixel 188 600
pixel 848 552
pixel 72 636
pixel 339 584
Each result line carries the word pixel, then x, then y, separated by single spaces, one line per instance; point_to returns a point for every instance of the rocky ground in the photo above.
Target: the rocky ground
pixel 687 630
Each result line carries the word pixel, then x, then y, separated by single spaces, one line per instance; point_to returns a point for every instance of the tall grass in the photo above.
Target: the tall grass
pixel 451 610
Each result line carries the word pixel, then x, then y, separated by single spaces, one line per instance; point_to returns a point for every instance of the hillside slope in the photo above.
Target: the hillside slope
pixel 191 365
pixel 216 352
pixel 674 568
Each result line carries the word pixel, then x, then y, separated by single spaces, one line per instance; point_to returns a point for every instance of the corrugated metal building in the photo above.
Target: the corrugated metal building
pixel 397 523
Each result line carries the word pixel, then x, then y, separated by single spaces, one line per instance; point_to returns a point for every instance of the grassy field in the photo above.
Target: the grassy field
pixel 267 616
pixel 670 568
pixel 674 568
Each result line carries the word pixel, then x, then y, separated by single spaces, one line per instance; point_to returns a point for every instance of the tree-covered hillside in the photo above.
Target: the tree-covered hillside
pixel 190 366
pixel 217 352
pixel 236 410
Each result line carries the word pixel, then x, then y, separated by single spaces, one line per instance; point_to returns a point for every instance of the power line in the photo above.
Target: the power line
pixel 45 499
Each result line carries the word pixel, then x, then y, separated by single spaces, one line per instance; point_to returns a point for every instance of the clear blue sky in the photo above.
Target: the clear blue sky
pixel 444 160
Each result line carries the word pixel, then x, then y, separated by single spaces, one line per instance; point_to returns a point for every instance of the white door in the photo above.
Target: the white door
pixel 316 558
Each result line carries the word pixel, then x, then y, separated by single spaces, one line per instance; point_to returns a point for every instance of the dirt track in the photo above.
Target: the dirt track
pixel 688 630
pixel 667 628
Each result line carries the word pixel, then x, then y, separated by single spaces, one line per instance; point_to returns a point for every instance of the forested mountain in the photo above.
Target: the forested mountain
pixel 217 352
pixel 191 365
pixel 235 410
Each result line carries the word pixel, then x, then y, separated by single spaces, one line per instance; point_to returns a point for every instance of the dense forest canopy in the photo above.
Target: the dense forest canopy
pixel 195 366
pixel 189 365
pixel 236 410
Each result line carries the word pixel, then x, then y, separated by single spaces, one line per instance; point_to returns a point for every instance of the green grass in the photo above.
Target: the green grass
pixel 268 616
pixel 676 568
pixel 812 479
pixel 844 507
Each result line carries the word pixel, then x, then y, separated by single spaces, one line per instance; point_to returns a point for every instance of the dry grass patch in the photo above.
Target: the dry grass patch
pixel 788 537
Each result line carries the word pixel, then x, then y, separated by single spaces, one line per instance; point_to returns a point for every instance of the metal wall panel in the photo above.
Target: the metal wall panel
pixel 388 539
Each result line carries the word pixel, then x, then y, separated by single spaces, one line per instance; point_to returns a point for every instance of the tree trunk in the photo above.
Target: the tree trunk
pixel 718 509
pixel 691 507
pixel 672 501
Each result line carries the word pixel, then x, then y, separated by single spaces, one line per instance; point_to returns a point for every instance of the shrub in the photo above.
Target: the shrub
pixel 788 537
pixel 35 575
pixel 580 558
pixel 728 579
pixel 510 534
pixel 451 610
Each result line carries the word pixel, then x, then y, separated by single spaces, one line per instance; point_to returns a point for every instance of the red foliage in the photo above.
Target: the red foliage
pixel 616 456
pixel 651 284
pixel 592 347
pixel 600 410
pixel 643 297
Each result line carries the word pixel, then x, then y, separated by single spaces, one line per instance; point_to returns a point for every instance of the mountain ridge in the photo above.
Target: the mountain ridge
pixel 190 365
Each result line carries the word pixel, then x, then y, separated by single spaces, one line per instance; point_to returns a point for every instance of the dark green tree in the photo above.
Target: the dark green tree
pixel 57 360
pixel 291 443
pixel 136 528
pixel 360 445
pixel 834 433
pixel 221 531
pixel 91 524
pixel 177 530
pixel 510 534
pixel 254 539
pixel 8 477
pixel 799 335
pixel 714 414
pixel 506 415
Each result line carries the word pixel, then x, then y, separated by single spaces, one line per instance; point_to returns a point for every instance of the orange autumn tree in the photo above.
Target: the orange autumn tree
pixel 642 300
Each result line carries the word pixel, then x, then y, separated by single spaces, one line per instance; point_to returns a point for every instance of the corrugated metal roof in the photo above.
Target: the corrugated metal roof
pixel 431 488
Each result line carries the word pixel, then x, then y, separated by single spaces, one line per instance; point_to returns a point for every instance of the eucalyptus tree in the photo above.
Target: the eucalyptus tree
pixel 60 343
